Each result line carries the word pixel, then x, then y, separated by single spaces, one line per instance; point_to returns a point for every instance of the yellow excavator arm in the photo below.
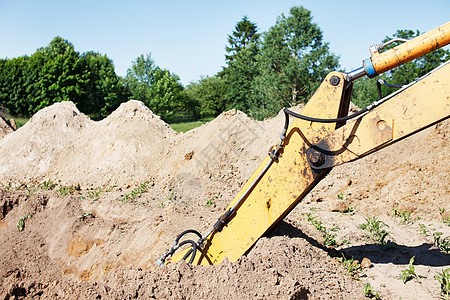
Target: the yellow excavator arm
pixel 319 139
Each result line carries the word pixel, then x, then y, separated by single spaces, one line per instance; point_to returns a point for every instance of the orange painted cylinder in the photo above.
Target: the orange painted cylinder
pixel 421 45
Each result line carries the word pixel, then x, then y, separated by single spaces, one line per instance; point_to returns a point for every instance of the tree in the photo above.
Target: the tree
pixel 12 85
pixel 241 73
pixel 62 77
pixel 208 94
pixel 59 73
pixel 166 93
pixel 104 90
pixel 245 33
pixel 159 89
pixel 139 77
pixel 365 90
pixel 293 61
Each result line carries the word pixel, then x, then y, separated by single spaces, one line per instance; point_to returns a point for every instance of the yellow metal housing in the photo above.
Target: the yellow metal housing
pixel 285 183
pixel 423 44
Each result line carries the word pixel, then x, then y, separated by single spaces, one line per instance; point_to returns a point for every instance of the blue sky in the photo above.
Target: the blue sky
pixel 189 37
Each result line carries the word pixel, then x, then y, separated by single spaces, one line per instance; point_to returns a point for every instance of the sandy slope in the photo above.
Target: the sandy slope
pixel 88 245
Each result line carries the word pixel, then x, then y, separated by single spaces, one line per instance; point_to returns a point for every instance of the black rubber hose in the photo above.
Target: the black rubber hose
pixel 193 250
pixel 319 120
pixel 186 232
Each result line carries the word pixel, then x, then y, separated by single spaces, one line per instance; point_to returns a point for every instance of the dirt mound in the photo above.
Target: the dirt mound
pixel 31 150
pixel 5 127
pixel 119 150
pixel 110 252
pixel 141 184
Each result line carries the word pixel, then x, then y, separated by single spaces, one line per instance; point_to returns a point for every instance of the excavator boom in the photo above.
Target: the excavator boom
pixel 319 139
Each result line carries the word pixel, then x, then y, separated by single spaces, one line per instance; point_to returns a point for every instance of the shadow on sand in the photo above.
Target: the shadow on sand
pixel 425 254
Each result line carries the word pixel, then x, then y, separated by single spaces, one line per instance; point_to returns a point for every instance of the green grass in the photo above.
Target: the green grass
pixel 20 121
pixel 186 126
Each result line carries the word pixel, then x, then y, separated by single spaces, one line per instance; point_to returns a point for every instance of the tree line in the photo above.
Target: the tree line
pixel 263 73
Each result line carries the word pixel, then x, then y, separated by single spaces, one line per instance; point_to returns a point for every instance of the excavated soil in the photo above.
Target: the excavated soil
pixel 71 229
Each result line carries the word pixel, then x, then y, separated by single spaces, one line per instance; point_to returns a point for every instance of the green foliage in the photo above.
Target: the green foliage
pixel 93 195
pixel 351 265
pixel 329 238
pixel 442 244
pixel 364 92
pixel 350 209
pixel 85 215
pixel 282 69
pixel 136 192
pixel 209 203
pixel 58 73
pixel 240 76
pixel 245 33
pixel 444 280
pixel 403 215
pixel 186 126
pixel 67 190
pixel 159 89
pixel 47 185
pixel 293 61
pixel 369 292
pixel 374 227
pixel 207 96
pixel 21 223
pixel 423 230
pixel 444 220
pixel 105 90
pixel 410 273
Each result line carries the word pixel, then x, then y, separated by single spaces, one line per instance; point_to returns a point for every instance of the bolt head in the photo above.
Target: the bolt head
pixel 334 80
pixel 316 158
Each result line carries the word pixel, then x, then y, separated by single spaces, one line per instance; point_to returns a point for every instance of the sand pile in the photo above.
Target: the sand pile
pixel 100 245
pixel 5 127
pixel 29 153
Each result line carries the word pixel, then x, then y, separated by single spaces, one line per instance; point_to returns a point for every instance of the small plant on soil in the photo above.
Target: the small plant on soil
pixel 374 227
pixel 171 197
pixel 351 265
pixel 21 223
pixel 329 238
pixel 444 280
pixel 410 273
pixel 369 292
pixel 138 191
pixel 444 220
pixel 404 216
pixel 93 195
pixel 111 188
pixel 67 190
pixel 209 203
pixel 423 230
pixel 85 215
pixel 442 244
pixel 161 204
pixel 47 185
pixel 350 209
